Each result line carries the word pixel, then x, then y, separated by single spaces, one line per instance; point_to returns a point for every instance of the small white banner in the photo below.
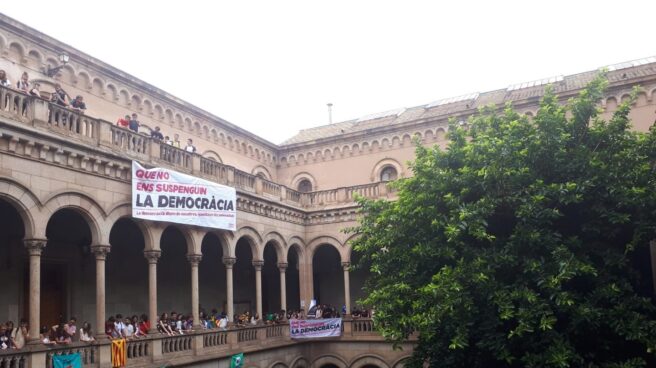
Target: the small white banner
pixel 311 328
pixel 165 195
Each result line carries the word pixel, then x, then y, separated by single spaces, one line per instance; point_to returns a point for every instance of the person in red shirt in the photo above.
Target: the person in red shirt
pixel 123 122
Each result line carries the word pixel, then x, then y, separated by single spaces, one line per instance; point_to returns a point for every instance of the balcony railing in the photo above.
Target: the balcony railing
pixel 152 350
pixel 41 114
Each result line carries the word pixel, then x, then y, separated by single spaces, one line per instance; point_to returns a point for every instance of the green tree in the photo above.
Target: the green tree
pixel 523 244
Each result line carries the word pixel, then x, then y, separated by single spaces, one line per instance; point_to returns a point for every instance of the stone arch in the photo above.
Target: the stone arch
pixel 16 52
pixel 224 240
pixel 382 164
pixel 365 146
pixel 278 364
pixel 300 362
pixel 252 237
pixel 440 134
pixel 355 148
pixel 212 155
pixel 191 243
pixel 112 91
pixel 35 58
pixel 325 239
pixel 611 103
pixel 197 128
pixel 188 124
pixel 206 132
pixel 98 87
pixel 396 141
pixel 261 170
pixel 178 120
pixel 298 245
pixel 3 42
pixel 169 116
pixel 329 359
pixel 215 137
pixel 67 73
pixel 83 81
pixel 368 359
pixel 400 363
pixel 84 205
pixel 158 111
pixel 349 248
pixel 652 95
pixel 278 242
pixel 26 204
pixel 124 210
pixel 385 143
pixel 296 180
pixel 123 97
pixel 641 99
pixel 147 107
pixel 407 139
pixel 135 102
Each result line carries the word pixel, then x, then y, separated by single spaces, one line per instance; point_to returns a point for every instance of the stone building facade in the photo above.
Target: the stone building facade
pixel 70 247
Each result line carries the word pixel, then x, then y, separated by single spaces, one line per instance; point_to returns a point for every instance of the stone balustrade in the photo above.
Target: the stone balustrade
pixel 206 344
pixel 22 109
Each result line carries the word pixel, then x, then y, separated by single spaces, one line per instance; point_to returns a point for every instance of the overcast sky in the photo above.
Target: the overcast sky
pixel 271 66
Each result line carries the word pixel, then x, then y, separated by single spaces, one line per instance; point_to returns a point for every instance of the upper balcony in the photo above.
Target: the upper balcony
pixel 74 126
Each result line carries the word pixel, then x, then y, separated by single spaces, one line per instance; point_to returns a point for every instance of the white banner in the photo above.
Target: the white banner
pixel 165 195
pixel 311 328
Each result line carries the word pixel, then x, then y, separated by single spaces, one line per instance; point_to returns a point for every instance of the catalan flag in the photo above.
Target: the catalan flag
pixel 119 357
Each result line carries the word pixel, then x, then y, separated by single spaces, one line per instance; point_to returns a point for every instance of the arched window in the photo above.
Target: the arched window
pixel 388 174
pixel 304 186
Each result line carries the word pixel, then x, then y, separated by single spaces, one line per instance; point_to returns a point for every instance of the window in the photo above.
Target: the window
pixel 388 174
pixel 304 186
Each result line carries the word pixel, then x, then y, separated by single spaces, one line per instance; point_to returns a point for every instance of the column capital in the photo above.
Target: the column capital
pixel 35 246
pixel 100 251
pixel 282 266
pixel 229 262
pixel 194 259
pixel 258 265
pixel 346 266
pixel 152 256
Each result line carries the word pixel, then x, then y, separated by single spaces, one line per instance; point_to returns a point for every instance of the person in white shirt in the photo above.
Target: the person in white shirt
pixel 223 323
pixel 119 326
pixel 85 333
pixel 128 329
pixel 4 81
pixel 190 146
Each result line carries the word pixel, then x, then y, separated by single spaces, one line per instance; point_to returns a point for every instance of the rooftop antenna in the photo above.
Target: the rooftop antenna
pixel 330 113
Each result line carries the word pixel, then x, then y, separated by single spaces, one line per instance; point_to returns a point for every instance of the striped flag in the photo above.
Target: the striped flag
pixel 119 351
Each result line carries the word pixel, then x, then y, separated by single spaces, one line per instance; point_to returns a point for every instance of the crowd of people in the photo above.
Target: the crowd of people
pixel 58 97
pixel 61 98
pixel 135 327
pixel 132 123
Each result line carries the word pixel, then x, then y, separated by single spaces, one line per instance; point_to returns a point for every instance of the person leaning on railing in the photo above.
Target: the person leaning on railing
pixel 123 122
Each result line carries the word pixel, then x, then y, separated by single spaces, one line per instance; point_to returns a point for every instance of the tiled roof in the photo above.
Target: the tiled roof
pixel 450 106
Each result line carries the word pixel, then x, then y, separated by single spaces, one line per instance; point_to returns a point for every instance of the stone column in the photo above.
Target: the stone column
pixel 283 285
pixel 194 260
pixel 229 262
pixel 258 286
pixel 347 287
pixel 152 256
pixel 35 248
pixel 100 251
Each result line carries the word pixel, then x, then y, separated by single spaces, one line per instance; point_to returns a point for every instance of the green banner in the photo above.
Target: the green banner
pixel 237 361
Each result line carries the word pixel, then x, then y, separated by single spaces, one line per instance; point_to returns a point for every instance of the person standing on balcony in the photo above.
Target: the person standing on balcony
pixel 23 84
pixel 134 123
pixel 190 146
pixel 124 122
pixel 35 90
pixel 156 134
pixel 4 81
pixel 78 104
pixel 60 97
pixel 176 140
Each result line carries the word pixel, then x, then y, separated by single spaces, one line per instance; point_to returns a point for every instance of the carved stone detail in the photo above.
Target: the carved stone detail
pixel 35 246
pixel 152 256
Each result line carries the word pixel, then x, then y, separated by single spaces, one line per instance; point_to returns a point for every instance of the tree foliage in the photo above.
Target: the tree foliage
pixel 522 244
